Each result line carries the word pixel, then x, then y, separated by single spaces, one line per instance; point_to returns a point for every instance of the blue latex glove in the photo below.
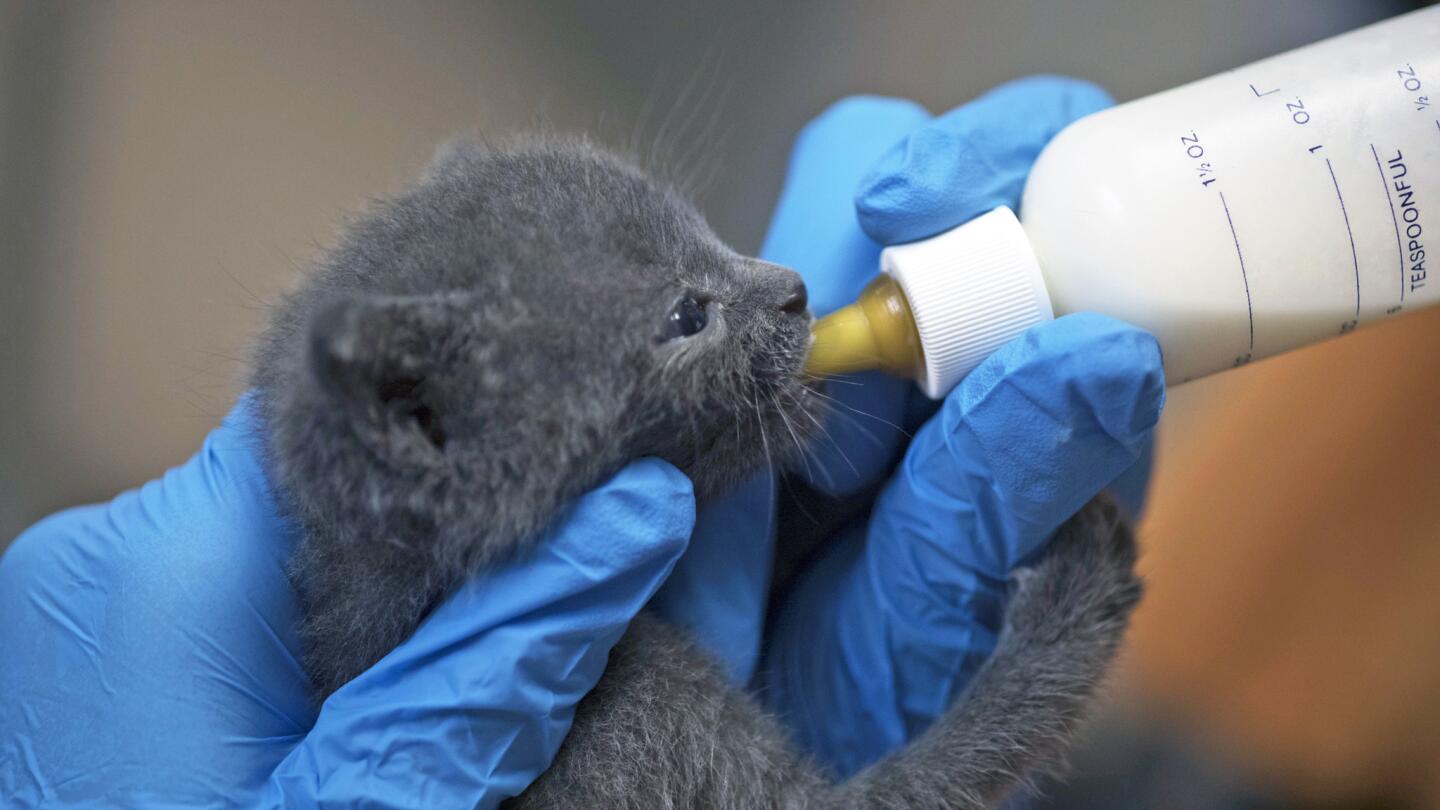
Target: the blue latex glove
pixel 148 655
pixel 886 630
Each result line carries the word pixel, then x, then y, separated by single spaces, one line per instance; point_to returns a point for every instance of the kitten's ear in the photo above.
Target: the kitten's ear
pixel 455 152
pixel 378 357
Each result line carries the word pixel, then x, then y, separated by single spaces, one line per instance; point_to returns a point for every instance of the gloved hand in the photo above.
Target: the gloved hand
pixel 148 654
pixel 884 632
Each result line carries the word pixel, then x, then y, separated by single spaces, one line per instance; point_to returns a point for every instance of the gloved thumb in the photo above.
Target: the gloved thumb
pixel 1025 440
pixel 969 160
pixel 473 707
pixel 813 229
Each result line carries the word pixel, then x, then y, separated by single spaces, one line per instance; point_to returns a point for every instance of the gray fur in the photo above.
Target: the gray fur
pixel 663 730
pixel 485 347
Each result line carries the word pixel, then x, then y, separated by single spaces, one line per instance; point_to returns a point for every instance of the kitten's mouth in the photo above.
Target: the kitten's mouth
pixel 774 417
pixel 799 399
pixel 794 371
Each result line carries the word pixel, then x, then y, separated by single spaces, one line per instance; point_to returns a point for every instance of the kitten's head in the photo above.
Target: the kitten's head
pixel 517 326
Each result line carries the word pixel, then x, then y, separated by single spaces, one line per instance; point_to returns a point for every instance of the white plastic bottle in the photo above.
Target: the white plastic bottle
pixel 1236 217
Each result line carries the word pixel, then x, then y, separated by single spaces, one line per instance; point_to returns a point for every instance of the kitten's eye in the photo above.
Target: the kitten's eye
pixel 686 319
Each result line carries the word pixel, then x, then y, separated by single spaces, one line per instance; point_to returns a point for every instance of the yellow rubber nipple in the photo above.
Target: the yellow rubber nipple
pixel 876 332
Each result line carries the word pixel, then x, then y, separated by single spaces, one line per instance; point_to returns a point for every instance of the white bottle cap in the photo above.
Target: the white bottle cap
pixel 971 289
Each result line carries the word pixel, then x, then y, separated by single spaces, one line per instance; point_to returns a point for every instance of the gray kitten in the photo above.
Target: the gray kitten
pixel 487 346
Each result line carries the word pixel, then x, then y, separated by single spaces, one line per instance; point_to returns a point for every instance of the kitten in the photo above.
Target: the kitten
pixel 499 339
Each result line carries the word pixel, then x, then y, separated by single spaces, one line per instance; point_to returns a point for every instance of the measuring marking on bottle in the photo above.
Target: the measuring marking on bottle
pixel 1118 214
pixel 1301 116
pixel 1407 189
pixel 1399 245
pixel 1354 256
pixel 1245 277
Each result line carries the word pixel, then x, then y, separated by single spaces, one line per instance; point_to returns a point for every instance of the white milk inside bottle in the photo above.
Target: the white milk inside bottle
pixel 1239 216
pixel 1254 211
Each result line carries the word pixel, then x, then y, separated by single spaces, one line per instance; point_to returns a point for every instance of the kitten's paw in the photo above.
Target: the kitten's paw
pixel 1085 587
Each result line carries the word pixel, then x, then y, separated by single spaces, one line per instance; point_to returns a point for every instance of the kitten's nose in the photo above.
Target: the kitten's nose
pixel 797 300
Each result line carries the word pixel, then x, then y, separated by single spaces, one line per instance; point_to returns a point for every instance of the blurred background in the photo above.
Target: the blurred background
pixel 167 168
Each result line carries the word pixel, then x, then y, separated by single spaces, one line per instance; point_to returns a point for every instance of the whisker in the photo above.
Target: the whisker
pixel 839 380
pixel 811 451
pixel 785 420
pixel 838 447
pixel 760 423
pixel 853 409
pixel 798 501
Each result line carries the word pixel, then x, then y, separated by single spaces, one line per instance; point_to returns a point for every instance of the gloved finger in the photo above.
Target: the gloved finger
pixel 470 709
pixel 1130 487
pixel 814 231
pixel 1025 440
pixel 163 615
pixel 895 621
pixel 721 586
pixel 969 160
